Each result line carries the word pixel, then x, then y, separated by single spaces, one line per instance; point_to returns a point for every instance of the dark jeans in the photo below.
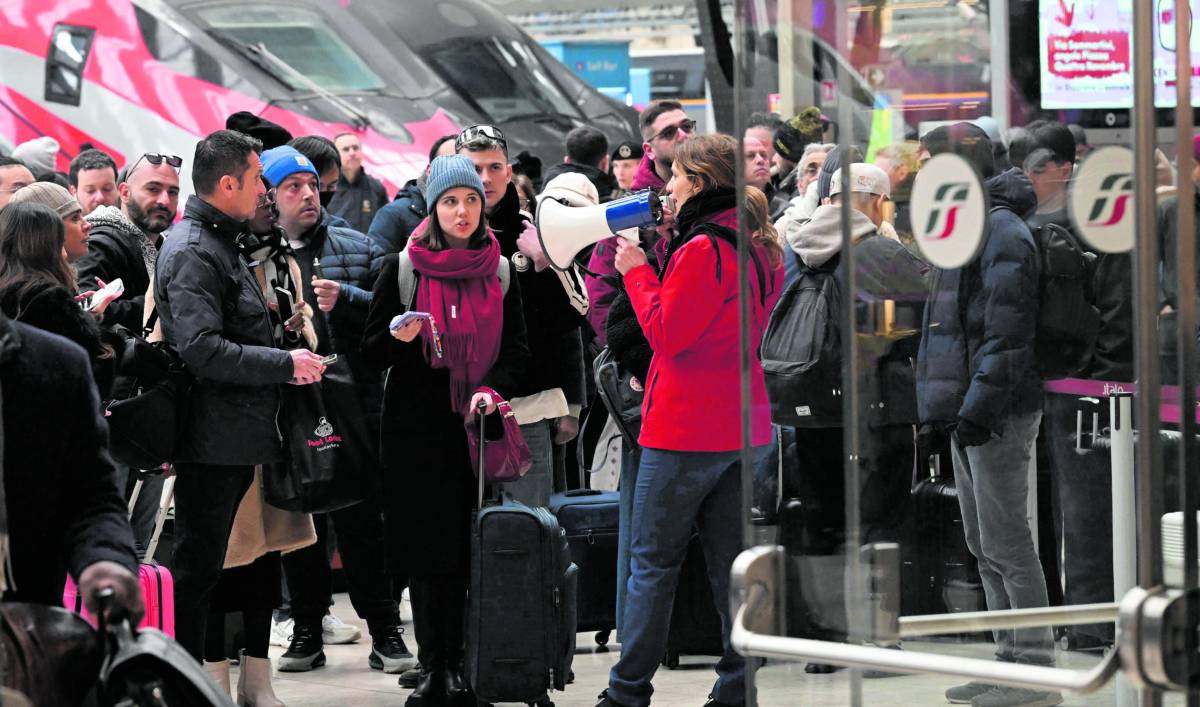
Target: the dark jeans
pixel 206 501
pixel 359 531
pixel 1083 500
pixel 439 606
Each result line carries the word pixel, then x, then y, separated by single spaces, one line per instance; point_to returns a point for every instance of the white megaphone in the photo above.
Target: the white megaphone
pixel 565 230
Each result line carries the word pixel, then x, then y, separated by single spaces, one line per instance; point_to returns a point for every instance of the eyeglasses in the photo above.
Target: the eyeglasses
pixel 475 132
pixel 669 132
pixel 155 158
pixel 267 199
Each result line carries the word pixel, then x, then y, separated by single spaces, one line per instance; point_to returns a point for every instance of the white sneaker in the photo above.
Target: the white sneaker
pixel 334 631
pixel 281 633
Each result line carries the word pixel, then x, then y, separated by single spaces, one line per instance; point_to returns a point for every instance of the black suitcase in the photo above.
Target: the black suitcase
pixel 590 519
pixel 521 606
pixel 695 623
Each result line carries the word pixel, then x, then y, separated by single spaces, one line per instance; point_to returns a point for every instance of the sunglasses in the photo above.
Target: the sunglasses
pixel 155 158
pixel 475 132
pixel 669 132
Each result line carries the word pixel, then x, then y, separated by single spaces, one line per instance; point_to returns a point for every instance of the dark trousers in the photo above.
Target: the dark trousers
pixel 206 501
pixel 359 530
pixel 439 606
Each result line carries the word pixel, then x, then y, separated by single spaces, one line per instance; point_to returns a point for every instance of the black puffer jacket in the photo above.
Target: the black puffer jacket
pixel 115 251
pixel 395 222
pixel 603 181
pixel 976 360
pixel 64 510
pixel 214 314
pixel 626 339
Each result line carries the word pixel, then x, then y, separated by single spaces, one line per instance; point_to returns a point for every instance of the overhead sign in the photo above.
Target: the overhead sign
pixel 949 211
pixel 1100 201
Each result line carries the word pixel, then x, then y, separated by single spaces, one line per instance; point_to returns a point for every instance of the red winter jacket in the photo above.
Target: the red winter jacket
pixel 693 390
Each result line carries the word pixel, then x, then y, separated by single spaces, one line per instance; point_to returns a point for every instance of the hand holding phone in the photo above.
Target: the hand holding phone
pixel 108 292
pixel 403 320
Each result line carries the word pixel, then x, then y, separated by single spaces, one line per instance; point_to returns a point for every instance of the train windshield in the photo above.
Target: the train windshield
pixel 300 38
pixel 504 77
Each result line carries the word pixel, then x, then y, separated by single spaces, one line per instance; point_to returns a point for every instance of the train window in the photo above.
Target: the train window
pixel 504 78
pixel 68 54
pixel 301 39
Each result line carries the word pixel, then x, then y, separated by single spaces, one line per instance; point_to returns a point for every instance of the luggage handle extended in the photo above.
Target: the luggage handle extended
pixel 481 412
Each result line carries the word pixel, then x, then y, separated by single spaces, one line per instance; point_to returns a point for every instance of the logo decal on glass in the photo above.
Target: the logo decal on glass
pixel 949 211
pixel 1100 202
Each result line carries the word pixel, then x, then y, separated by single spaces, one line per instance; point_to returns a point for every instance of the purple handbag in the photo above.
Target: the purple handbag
pixel 498 454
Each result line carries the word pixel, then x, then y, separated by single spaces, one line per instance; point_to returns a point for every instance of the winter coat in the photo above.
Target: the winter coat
pixel 690 317
pixel 359 201
pixel 428 484
pixel 214 315
pixel 552 324
pixel 395 222
pixel 603 181
pixel 976 360
pixel 65 512
pixel 115 251
pixel 601 286
pixel 52 308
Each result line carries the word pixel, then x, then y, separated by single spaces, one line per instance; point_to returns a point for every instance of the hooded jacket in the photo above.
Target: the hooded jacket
pixel 394 223
pixel 359 201
pixel 116 249
pixel 976 360
pixel 603 181
pixel 214 315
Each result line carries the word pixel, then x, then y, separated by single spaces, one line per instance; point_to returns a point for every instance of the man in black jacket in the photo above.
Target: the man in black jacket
pixel 213 313
pixel 550 399
pixel 395 222
pixel 358 196
pixel 587 154
pixel 59 501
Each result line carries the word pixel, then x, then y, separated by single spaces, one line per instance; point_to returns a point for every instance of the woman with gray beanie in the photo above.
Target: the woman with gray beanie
pixel 454 272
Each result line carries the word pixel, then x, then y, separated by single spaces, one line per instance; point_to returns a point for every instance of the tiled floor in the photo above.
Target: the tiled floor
pixel 347 681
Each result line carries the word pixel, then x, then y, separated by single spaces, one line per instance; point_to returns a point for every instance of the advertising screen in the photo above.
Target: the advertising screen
pixel 1087 54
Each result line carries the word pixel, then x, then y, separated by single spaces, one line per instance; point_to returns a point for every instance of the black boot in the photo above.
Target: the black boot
pixel 458 692
pixel 429 692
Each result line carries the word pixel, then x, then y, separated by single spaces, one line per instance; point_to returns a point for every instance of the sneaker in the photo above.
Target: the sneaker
pixel 963 694
pixel 389 653
pixel 281 633
pixel 304 653
pixel 606 701
pixel 335 632
pixel 410 678
pixel 1016 697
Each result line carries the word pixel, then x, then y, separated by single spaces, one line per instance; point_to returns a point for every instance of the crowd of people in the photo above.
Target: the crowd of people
pixel 288 256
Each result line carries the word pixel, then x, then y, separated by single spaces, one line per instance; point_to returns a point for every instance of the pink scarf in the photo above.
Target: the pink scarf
pixel 459 287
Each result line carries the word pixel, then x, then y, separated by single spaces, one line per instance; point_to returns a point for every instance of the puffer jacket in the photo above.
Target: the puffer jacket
pixel 358 201
pixel 115 250
pixel 214 315
pixel 690 317
pixel 976 360
pixel 394 223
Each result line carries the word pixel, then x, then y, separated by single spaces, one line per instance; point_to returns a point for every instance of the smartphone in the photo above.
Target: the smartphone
pixel 401 320
pixel 287 302
pixel 112 290
pixel 329 360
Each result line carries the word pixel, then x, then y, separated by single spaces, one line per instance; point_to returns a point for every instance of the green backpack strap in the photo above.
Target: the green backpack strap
pixel 408 279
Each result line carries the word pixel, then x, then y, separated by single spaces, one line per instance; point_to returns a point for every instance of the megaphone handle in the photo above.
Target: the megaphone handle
pixel 631 235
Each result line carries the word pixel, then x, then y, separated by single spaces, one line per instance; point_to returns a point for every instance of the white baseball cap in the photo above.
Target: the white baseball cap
pixel 864 179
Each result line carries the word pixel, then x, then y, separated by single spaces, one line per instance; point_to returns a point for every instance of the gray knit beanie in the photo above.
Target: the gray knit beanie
pixel 48 194
pixel 447 172
pixel 38 154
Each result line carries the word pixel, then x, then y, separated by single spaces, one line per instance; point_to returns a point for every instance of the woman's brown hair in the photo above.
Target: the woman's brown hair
pixel 712 159
pixel 31 249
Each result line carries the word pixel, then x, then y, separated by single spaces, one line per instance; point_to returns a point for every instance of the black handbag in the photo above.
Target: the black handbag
pixel 622 393
pixel 327 447
pixel 148 400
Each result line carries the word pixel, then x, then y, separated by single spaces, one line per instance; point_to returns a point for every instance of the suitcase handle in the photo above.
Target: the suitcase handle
pixel 480 411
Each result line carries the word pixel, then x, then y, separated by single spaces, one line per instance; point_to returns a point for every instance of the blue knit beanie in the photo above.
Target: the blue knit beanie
pixel 281 162
pixel 447 172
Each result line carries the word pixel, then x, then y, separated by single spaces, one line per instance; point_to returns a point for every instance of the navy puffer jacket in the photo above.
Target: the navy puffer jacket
pixel 976 360
pixel 394 223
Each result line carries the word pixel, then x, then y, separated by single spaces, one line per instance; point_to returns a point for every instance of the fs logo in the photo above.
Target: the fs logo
pixel 1110 205
pixel 947 201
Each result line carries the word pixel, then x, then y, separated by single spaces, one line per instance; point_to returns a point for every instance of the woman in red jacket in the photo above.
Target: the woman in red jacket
pixel 691 418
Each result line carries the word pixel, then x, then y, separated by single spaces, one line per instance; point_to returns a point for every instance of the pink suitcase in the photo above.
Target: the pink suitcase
pixel 158 587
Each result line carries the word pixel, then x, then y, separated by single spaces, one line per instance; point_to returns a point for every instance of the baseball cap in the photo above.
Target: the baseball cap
pixel 864 179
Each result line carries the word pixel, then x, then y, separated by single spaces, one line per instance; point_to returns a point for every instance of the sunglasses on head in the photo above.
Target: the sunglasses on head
pixel 155 158
pixel 475 132
pixel 669 132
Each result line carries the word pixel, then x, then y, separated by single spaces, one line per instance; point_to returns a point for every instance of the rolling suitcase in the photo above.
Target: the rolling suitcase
pixel 589 518
pixel 158 586
pixel 695 624
pixel 521 607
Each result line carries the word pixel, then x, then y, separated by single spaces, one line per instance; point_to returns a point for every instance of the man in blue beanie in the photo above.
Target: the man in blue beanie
pixel 338 266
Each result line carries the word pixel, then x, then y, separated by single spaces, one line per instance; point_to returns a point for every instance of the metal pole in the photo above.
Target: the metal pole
pixel 1146 259
pixel 1124 513
pixel 998 26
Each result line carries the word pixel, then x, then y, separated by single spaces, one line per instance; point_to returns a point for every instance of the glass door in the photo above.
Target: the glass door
pixel 982 365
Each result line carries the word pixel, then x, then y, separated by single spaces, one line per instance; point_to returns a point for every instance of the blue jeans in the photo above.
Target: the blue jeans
pixel 993 487
pixel 677 491
pixel 534 488
pixel 631 457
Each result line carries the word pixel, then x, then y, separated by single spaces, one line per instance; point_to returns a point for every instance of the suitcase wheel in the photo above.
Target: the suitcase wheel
pixel 671 660
pixel 602 638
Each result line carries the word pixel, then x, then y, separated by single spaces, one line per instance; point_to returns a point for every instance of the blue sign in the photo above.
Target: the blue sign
pixel 604 65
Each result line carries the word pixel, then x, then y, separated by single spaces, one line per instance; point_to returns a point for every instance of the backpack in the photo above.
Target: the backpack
pixel 408 278
pixel 1068 319
pixel 801 351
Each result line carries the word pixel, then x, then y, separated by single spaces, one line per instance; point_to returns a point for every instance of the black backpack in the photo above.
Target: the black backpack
pixel 802 351
pixel 1068 320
